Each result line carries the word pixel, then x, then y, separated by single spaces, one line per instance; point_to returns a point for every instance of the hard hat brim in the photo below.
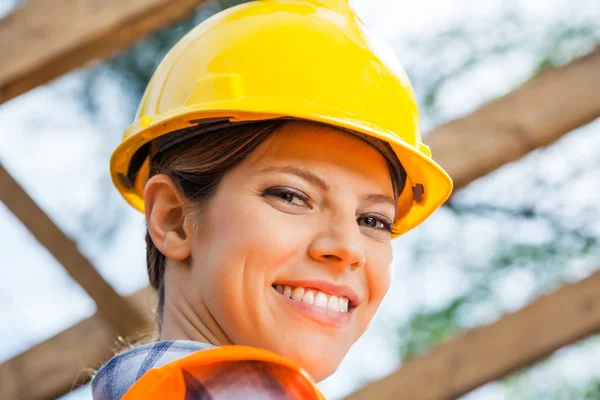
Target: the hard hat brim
pixel 420 168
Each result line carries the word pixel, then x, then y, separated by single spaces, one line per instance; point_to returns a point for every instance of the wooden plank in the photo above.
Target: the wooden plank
pixel 450 370
pixel 533 115
pixel 119 313
pixel 62 363
pixel 44 39
pixel 491 352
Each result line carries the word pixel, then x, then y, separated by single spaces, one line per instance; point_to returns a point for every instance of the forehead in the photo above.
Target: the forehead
pixel 326 149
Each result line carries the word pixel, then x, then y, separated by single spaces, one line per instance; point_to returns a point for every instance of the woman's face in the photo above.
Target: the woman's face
pixel 293 254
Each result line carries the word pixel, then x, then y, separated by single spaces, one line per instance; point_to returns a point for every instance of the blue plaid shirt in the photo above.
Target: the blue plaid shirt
pixel 115 378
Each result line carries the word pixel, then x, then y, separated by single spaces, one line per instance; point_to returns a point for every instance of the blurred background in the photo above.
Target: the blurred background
pixel 526 229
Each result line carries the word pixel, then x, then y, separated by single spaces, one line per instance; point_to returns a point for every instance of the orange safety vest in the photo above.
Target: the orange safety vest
pixel 226 373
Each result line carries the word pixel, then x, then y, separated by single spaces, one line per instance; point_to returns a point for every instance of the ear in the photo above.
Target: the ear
pixel 165 218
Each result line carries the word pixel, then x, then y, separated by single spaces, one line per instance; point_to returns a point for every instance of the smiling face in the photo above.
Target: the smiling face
pixel 292 253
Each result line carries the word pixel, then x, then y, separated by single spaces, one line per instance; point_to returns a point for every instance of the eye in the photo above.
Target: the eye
pixel 290 196
pixel 375 222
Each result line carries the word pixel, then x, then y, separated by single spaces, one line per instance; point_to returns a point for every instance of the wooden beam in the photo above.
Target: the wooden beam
pixel 44 39
pixel 534 115
pixel 66 361
pixel 120 314
pixel 452 369
pixel 491 352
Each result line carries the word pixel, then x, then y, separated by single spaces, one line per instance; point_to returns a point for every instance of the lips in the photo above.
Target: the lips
pixel 324 317
pixel 314 297
pixel 328 288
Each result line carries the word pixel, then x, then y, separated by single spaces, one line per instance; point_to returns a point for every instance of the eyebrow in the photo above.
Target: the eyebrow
pixel 304 174
pixel 382 198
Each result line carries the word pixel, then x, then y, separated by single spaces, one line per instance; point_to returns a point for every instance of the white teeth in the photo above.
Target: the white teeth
pixel 343 304
pixel 309 297
pixel 298 293
pixel 287 291
pixel 314 297
pixel 334 304
pixel 321 300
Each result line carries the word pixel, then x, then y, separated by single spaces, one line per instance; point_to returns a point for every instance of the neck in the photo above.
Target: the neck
pixel 182 321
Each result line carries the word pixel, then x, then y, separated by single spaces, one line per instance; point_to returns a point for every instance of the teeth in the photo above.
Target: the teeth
pixel 298 293
pixel 343 304
pixel 334 304
pixel 287 291
pixel 309 297
pixel 321 300
pixel 314 297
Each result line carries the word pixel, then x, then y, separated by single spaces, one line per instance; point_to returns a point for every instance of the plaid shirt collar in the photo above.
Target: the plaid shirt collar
pixel 113 380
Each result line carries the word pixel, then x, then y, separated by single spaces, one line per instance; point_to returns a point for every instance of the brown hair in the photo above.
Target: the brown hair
pixel 197 166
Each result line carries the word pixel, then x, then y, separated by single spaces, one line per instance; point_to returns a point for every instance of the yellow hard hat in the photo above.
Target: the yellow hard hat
pixel 308 60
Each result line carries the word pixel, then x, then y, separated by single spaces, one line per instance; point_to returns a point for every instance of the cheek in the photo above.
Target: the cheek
pixel 379 275
pixel 251 237
pixel 242 246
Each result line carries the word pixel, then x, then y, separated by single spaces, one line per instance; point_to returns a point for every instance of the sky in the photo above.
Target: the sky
pixel 59 153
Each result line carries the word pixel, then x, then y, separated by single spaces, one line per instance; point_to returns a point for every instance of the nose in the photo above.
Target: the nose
pixel 339 245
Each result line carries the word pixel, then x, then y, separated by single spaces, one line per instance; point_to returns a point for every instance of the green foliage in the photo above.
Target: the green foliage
pixel 592 391
pixel 442 63
pixel 455 54
pixel 526 386
pixel 428 328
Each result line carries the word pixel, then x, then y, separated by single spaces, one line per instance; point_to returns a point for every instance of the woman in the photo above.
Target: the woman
pixel 275 153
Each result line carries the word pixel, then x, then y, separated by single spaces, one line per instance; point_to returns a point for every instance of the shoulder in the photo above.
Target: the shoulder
pixel 120 373
pixel 228 372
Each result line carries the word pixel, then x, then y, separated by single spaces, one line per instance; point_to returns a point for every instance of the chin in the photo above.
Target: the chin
pixel 319 373
pixel 319 362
